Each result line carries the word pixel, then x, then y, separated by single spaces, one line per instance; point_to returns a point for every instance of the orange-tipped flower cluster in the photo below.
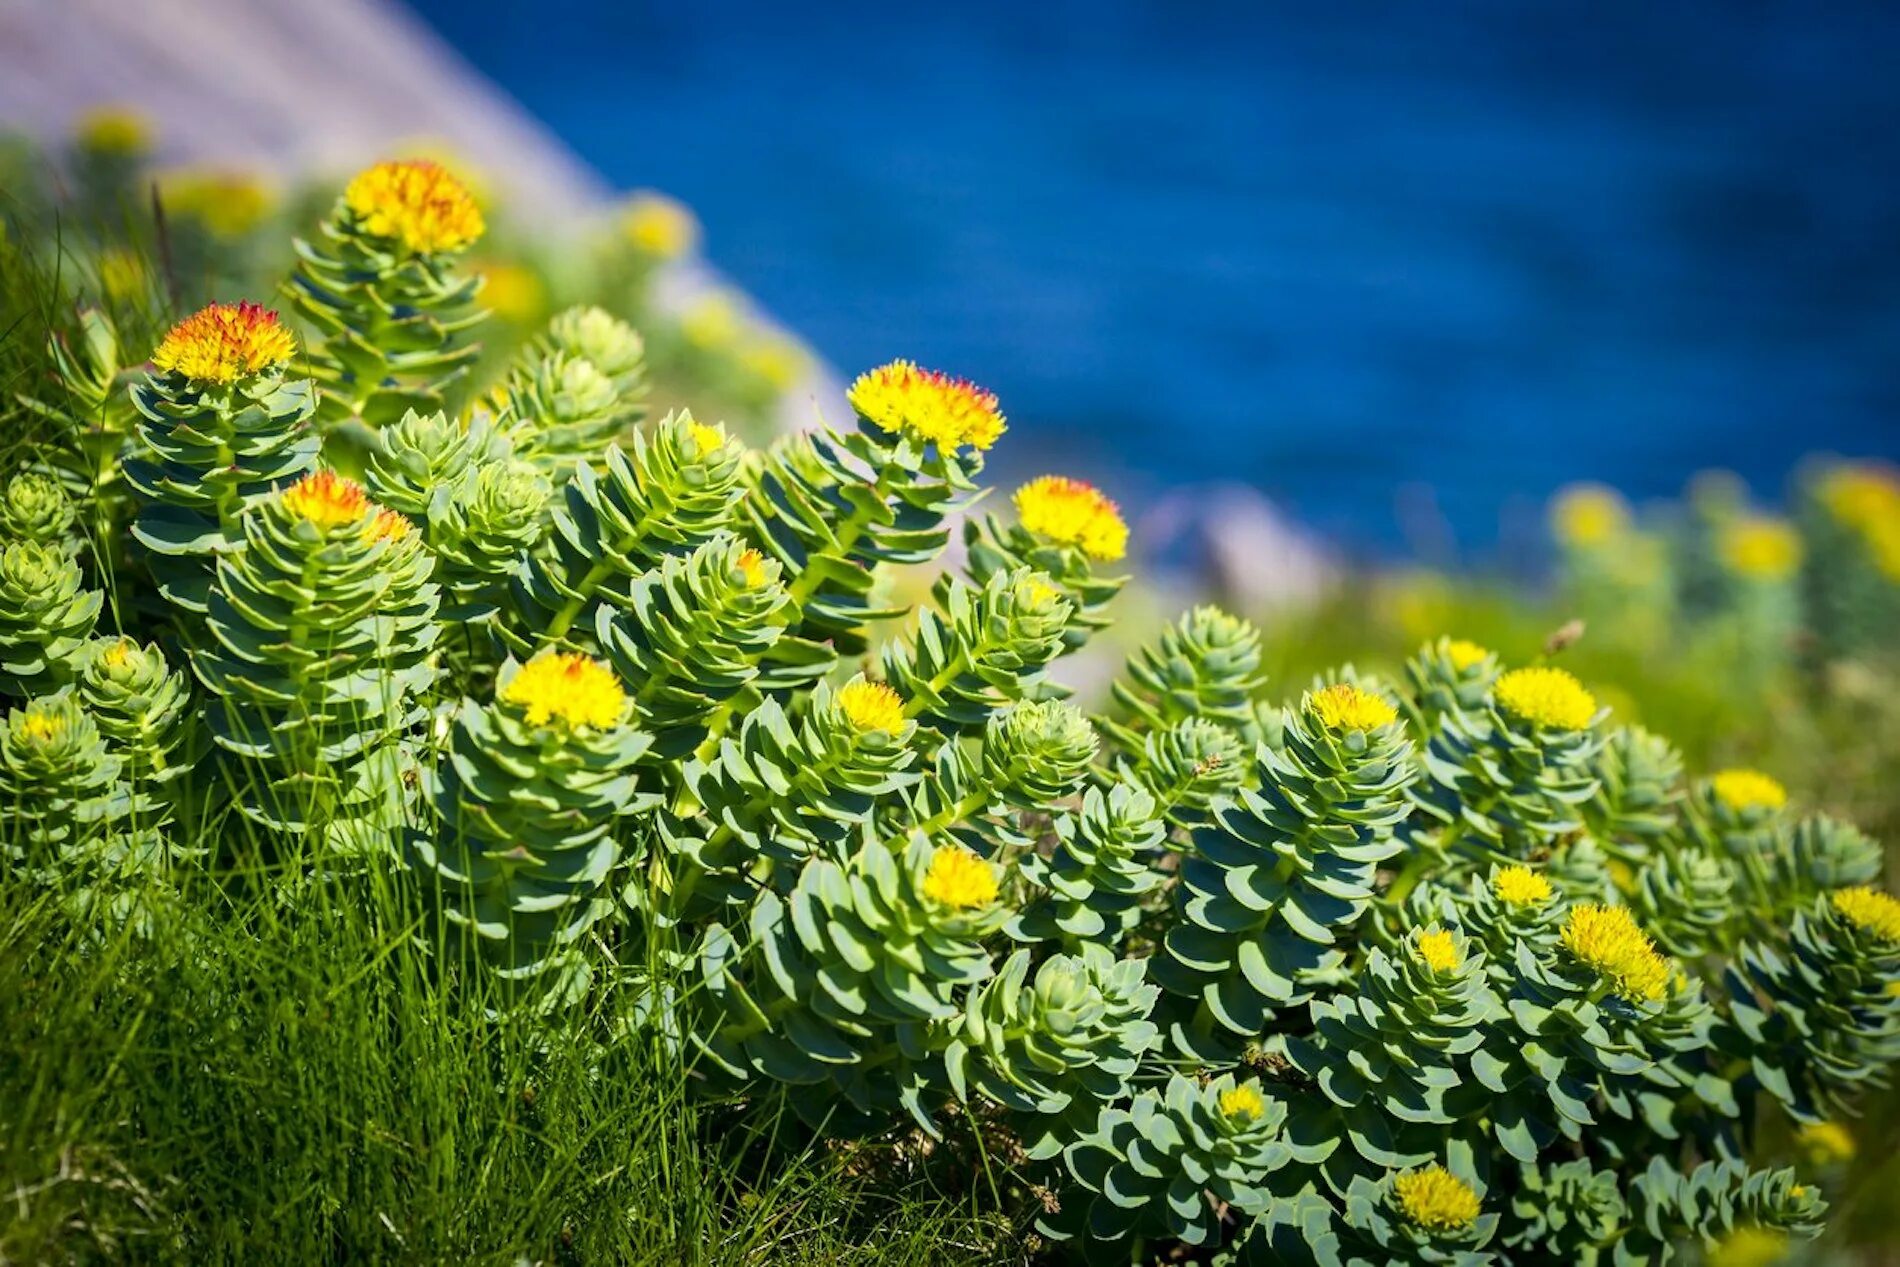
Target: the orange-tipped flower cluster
pixel 225 342
pixel 1072 513
pixel 417 203
pixel 327 500
pixel 928 405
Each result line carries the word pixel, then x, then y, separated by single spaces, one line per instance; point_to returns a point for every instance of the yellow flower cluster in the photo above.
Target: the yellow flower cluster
pixel 1438 950
pixel 1745 790
pixel 1435 1199
pixel 752 569
pixel 116 130
pixel 225 342
pixel 658 226
pixel 43 725
pixel 1343 706
pixel 1242 1102
pixel 1826 1143
pixel 929 405
pixel 959 879
pixel 1073 513
pixel 1547 697
pixel 568 688
pixel 1760 548
pixel 1865 497
pixel 872 706
pixel 706 440
pixel 1585 515
pixel 1465 654
pixel 229 204
pixel 417 203
pixel 1520 886
pixel 327 500
pixel 1606 940
pixel 1869 910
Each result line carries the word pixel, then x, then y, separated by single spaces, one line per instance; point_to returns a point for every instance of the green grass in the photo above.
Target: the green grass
pixel 282 1072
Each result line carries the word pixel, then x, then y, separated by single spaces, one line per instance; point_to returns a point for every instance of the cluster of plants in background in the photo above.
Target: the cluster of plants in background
pixel 139 237
pixel 1447 967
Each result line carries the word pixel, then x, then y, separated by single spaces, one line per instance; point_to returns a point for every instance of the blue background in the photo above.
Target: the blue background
pixel 1347 253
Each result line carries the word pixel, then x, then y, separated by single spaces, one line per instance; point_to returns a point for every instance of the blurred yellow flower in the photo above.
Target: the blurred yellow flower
pixel 712 322
pixel 1760 548
pixel 1826 1143
pixel 659 227
pixel 1750 1246
pixel 1585 515
pixel 776 360
pixel 511 291
pixel 228 203
pixel 1744 790
pixel 121 131
pixel 123 276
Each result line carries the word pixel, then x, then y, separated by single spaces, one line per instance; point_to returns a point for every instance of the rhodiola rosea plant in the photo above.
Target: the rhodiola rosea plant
pixel 1452 968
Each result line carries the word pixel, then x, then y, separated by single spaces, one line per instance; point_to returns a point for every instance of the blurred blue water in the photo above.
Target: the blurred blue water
pixel 1344 252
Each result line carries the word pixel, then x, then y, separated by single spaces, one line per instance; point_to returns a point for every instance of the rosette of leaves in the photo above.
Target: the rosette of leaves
pixel 211 445
pixel 843 982
pixel 1505 782
pixel 1172 1163
pixel 1206 665
pixel 1099 871
pixel 1054 1046
pixel 138 703
pixel 1820 855
pixel 382 288
pixel 1820 1022
pixel 1716 1199
pixel 692 635
pixel 1033 757
pixel 319 638
pixel 1390 1055
pixel 576 390
pixel 995 548
pixel 1685 898
pixel 1563 1213
pixel 480 509
pixel 1188 766
pixel 526 804
pixel 986 649
pixel 35 508
pixel 785 788
pixel 1450 675
pixel 46 615
pixel 1270 891
pixel 1639 787
pixel 669 492
pixel 1510 905
pixel 832 507
pixel 57 776
pixel 1604 1021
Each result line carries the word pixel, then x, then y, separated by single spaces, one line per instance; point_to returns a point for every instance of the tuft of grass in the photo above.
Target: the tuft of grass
pixel 284 1072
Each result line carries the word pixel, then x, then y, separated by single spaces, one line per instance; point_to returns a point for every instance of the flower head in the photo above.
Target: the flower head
pixel 1607 941
pixel 1760 548
pixel 1465 654
pixel 1588 515
pixel 658 226
pixel 929 405
pixel 706 440
pixel 1244 1101
pixel 871 706
pixel 225 342
pixel 568 688
pixel 1861 495
pixel 777 361
pixel 1745 790
pixel 1520 886
pixel 417 203
pixel 959 879
pixel 1750 1245
pixel 512 291
pixel 327 500
pixel 1343 706
pixel 1435 1199
pixel 1072 513
pixel 117 130
pixel 1438 950
pixel 713 322
pixel 1547 697
pixel 43 725
pixel 1869 910
pixel 751 565
pixel 1826 1142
